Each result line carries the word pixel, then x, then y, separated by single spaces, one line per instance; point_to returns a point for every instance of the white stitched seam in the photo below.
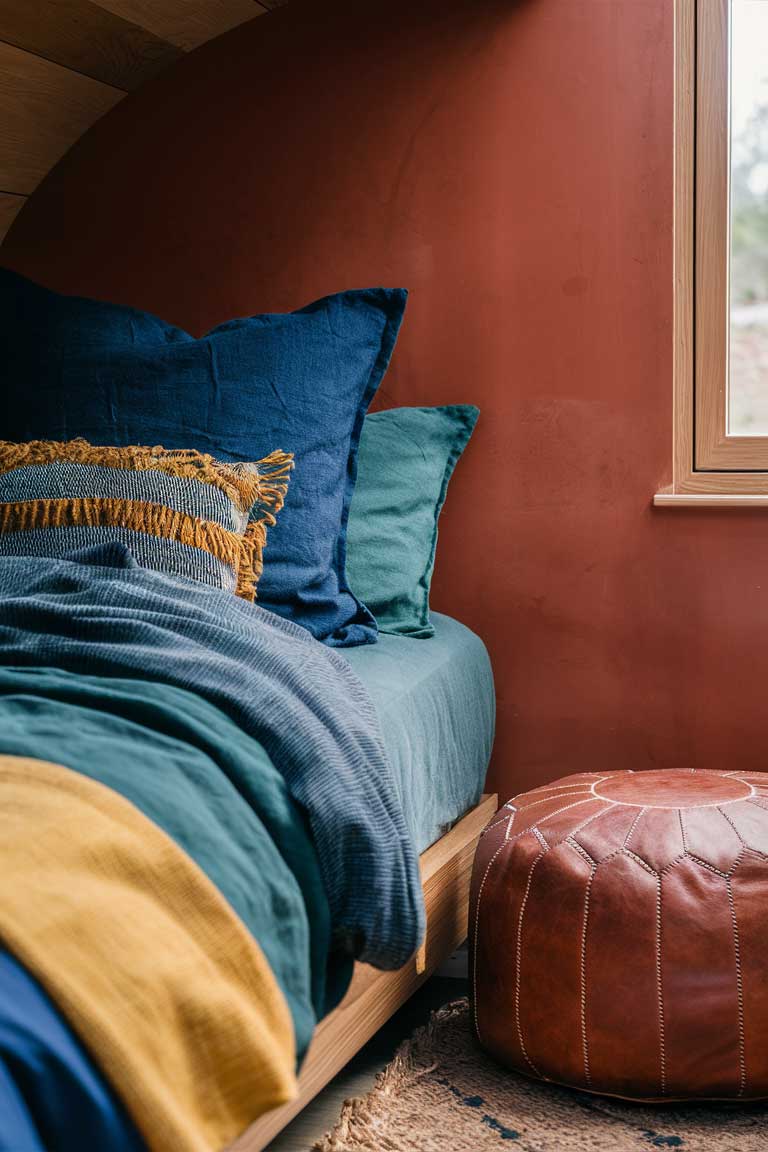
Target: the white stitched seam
pixel 518 961
pixel 727 817
pixel 633 825
pixel 670 807
pixel 567 808
pixel 673 864
pixel 585 823
pixel 660 992
pixel 638 860
pixel 633 856
pixel 560 796
pixel 581 851
pixel 589 820
pixel 682 829
pixel 549 816
pixel 476 1013
pixel 507 840
pixel 508 807
pixel 708 866
pixel 739 990
pixel 747 851
pixel 584 1040
pixel 540 838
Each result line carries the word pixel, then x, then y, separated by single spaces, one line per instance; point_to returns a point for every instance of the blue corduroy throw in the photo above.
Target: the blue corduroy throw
pixel 98 613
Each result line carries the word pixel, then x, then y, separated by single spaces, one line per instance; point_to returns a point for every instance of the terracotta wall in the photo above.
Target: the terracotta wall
pixel 511 163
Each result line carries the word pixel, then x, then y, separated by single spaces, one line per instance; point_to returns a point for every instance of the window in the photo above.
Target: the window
pixel 721 252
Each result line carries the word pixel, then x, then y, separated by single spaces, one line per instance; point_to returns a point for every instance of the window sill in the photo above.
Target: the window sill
pixel 710 500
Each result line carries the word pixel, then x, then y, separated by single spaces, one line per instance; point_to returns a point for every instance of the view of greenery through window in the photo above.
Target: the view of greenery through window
pixel 748 385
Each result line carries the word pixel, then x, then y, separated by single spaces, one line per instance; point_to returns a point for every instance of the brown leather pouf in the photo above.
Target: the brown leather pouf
pixel 619 934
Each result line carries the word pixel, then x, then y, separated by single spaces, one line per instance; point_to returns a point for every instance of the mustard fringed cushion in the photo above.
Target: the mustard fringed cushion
pixel 145 958
pixel 179 512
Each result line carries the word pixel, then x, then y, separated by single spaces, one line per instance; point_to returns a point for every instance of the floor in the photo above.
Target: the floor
pixel 358 1076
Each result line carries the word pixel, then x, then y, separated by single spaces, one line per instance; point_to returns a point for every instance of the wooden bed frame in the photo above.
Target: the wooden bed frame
pixel 374 996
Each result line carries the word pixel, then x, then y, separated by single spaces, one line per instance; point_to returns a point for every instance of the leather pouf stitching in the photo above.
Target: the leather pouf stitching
pixel 619 934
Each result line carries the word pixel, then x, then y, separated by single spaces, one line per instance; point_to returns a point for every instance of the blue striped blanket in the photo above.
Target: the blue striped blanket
pixel 100 614
pixel 250 744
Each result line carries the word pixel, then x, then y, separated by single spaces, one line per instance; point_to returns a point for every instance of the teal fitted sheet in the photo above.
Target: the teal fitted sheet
pixel 436 704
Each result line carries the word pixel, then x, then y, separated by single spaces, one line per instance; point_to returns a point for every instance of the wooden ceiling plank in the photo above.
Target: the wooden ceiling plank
pixel 81 35
pixel 185 23
pixel 44 108
pixel 10 206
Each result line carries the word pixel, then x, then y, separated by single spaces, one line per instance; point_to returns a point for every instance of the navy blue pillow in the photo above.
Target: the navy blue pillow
pixel 299 381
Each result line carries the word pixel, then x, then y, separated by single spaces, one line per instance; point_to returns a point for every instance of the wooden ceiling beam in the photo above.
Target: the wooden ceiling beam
pixel 185 23
pixel 87 38
pixel 44 108
pixel 10 206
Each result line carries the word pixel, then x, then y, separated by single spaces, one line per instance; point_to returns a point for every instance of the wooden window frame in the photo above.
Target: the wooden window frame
pixel 709 466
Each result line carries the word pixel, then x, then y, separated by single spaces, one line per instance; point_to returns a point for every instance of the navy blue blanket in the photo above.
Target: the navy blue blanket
pixel 52 1097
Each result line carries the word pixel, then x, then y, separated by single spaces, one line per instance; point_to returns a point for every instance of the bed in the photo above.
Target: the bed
pixel 240 763
pixel 80 685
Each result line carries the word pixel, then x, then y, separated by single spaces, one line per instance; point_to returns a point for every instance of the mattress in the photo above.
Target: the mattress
pixel 436 705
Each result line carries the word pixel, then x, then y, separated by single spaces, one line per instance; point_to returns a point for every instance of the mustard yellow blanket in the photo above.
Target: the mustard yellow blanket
pixel 152 967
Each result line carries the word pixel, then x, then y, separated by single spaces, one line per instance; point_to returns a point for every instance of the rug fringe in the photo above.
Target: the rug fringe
pixel 360 1118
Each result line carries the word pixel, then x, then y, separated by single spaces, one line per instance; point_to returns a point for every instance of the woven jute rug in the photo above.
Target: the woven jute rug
pixel 442 1094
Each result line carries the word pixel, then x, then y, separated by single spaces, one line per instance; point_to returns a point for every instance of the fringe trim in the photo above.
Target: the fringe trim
pixel 362 1123
pixel 274 476
pixel 241 553
pixel 251 559
pixel 263 483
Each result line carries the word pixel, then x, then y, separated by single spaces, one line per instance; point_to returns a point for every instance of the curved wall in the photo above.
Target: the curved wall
pixel 511 163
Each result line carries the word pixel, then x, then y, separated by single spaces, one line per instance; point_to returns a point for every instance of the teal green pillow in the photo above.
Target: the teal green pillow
pixel 405 461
